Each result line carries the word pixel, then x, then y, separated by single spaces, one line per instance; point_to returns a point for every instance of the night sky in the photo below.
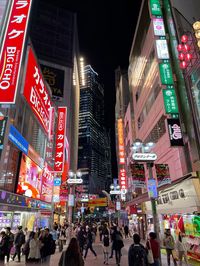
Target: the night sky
pixel 105 31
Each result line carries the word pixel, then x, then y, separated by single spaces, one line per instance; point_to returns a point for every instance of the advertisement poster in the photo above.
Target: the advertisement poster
pixel 158 27
pixel 30 178
pixel 163 176
pixel 162 49
pixel 138 175
pixel 47 184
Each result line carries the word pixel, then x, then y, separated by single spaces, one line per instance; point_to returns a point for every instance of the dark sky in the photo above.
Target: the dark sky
pixel 106 30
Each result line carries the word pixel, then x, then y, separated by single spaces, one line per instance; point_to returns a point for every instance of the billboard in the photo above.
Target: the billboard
pixel 163 176
pixel 47 185
pixel 16 138
pixel 55 78
pixel 60 139
pixel 138 175
pixel 122 179
pixel 12 50
pixel 30 178
pixel 175 133
pixel 36 92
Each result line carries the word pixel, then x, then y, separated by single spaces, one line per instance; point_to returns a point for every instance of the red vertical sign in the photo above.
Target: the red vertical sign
pixel 36 93
pixel 60 139
pixel 12 50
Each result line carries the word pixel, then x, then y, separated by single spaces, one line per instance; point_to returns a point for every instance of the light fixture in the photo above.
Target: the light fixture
pixel 118 187
pixel 111 186
pixel 150 144
pixel 71 173
pixel 137 143
pixel 146 148
pixel 78 173
pixel 196 25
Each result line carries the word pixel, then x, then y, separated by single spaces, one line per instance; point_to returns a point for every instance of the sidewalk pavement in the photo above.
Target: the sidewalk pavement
pixel 90 260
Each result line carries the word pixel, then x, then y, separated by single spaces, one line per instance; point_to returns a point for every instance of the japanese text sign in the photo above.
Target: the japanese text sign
pixel 36 92
pixel 155 7
pixel 166 74
pixel 175 133
pixel 163 175
pixel 158 27
pixel 170 101
pixel 12 50
pixel 60 139
pixel 47 184
pixel 122 179
pixel 121 141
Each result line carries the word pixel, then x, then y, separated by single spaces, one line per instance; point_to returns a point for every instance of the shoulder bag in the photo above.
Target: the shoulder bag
pixel 150 254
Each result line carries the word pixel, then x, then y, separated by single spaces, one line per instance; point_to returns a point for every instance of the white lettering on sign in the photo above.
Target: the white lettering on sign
pixel 176 132
pixel 6 77
pixel 144 156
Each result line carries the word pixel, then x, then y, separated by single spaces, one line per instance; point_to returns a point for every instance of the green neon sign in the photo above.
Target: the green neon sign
pixel 170 101
pixel 155 7
pixel 166 75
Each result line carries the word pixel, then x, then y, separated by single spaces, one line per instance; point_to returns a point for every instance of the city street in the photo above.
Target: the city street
pixel 90 260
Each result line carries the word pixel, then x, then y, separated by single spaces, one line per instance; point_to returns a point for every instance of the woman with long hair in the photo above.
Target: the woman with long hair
pixel 72 256
pixel 182 249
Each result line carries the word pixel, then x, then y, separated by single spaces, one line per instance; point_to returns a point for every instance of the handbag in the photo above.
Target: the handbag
pixel 150 254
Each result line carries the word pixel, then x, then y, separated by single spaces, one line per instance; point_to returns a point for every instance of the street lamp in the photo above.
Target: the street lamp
pixel 141 152
pixel 74 179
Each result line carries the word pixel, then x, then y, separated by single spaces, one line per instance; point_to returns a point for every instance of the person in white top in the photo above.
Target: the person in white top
pixel 182 249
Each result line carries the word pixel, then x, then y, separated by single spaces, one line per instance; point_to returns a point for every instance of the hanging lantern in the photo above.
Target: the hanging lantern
pixel 188 57
pixel 180 48
pixel 181 56
pixel 183 65
pixel 184 38
pixel 186 47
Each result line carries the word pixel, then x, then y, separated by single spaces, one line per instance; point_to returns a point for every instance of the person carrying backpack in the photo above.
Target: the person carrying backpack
pixel 137 254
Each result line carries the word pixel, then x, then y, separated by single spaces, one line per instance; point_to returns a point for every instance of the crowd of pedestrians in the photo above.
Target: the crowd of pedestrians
pixel 38 246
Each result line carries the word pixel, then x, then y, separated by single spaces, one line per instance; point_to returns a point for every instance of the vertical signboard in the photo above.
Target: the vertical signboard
pixel 47 184
pixel 121 141
pixel 12 50
pixel 170 101
pixel 155 7
pixel 3 122
pixel 138 175
pixel 162 49
pixel 122 179
pixel 163 176
pixel 175 133
pixel 158 27
pixel 36 93
pixel 152 189
pixel 166 74
pixel 60 139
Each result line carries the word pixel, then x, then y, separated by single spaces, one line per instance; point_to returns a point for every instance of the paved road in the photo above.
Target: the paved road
pixel 90 260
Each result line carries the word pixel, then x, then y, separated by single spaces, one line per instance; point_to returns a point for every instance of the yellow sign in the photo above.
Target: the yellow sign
pixel 100 202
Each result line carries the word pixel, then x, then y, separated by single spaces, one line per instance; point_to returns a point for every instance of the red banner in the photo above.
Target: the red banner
pixel 36 92
pixel 47 184
pixel 120 130
pixel 60 139
pixel 12 50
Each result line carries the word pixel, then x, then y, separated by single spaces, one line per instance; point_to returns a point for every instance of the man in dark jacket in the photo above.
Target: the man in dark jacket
pixel 3 246
pixel 10 236
pixel 19 240
pixel 137 254
pixel 47 247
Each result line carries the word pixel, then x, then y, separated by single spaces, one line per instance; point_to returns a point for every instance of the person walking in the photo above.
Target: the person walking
pixel 4 245
pixel 62 238
pixel 169 244
pixel 81 239
pixel 182 250
pixel 10 236
pixel 137 254
pixel 72 256
pixel 111 237
pixel 117 244
pixel 48 247
pixel 34 248
pixel 126 231
pixel 89 241
pixel 19 240
pixel 153 244
pixel 106 241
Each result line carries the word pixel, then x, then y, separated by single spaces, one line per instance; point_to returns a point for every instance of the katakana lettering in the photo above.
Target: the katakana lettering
pixel 21 4
pixel 18 19
pixel 59 145
pixel 36 75
pixel 60 137
pixel 59 154
pixel 15 33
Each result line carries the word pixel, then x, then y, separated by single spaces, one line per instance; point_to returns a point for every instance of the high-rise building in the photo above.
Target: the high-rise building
pixel 94 144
